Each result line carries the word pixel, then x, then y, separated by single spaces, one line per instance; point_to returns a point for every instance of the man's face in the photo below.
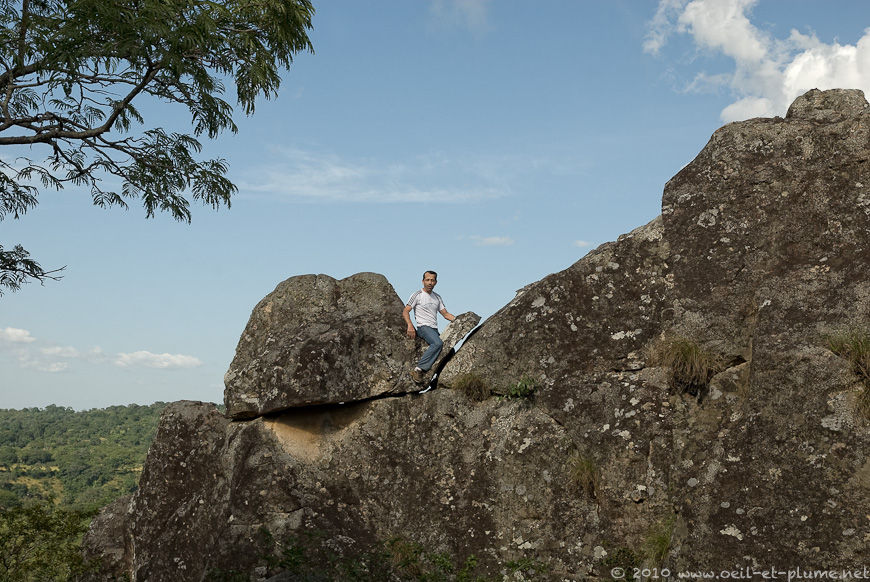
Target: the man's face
pixel 429 282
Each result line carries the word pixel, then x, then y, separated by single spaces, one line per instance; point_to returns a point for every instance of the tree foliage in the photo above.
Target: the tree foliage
pixel 84 460
pixel 71 70
pixel 40 542
pixel 57 467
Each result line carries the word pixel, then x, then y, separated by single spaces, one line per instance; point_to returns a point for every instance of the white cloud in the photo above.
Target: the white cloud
pixel 470 14
pixel 826 65
pixel 723 25
pixel 15 336
pixel 95 355
pixel 55 367
pixel 302 175
pixel 582 244
pixel 29 354
pixel 24 348
pixel 34 359
pixel 54 359
pixel 662 25
pixel 146 359
pixel 492 241
pixel 42 366
pixel 747 108
pixel 768 73
pixel 61 352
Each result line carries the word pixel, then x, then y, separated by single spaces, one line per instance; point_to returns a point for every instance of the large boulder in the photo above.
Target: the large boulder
pixel 318 340
pixel 772 210
pixel 760 253
pixel 768 226
pixel 769 233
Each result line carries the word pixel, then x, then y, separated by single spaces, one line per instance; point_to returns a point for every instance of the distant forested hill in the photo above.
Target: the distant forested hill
pixel 81 460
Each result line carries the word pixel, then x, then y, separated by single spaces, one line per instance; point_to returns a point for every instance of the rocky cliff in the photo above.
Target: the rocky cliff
pixel 675 399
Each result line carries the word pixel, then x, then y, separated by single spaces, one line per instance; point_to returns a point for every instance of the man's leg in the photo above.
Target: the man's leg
pixel 430 336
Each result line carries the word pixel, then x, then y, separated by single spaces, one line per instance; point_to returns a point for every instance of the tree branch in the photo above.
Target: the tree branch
pixel 48 136
pixel 20 71
pixel 22 33
pixel 70 72
pixel 16 268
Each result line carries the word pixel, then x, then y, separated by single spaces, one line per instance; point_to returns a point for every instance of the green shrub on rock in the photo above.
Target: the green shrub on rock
pixel 525 388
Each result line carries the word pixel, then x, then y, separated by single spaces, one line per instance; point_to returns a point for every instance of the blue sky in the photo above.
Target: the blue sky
pixel 495 141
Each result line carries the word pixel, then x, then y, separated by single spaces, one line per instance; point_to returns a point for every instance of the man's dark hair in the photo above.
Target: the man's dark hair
pixel 430 272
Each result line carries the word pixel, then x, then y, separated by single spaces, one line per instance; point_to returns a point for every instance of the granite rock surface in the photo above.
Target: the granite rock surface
pixel 317 340
pixel 760 255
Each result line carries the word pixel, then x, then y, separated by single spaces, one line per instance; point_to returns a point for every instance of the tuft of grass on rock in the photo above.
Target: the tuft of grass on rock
pixel 473 386
pixel 854 346
pixel 405 556
pixel 584 473
pixel 657 542
pixel 692 366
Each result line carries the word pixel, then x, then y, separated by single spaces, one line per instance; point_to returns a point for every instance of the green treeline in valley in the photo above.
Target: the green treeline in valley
pixel 57 467
pixel 76 460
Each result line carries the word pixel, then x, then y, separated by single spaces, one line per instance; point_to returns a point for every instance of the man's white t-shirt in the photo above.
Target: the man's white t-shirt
pixel 426 307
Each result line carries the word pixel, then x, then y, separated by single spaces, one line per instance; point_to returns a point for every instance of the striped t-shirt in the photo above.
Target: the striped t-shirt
pixel 426 307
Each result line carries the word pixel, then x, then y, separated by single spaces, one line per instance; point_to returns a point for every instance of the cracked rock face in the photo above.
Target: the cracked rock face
pixel 761 250
pixel 318 340
pixel 460 484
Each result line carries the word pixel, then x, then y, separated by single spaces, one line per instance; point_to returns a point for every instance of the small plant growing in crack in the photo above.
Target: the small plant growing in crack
pixel 658 539
pixel 853 345
pixel 692 366
pixel 583 472
pixel 525 388
pixel 473 386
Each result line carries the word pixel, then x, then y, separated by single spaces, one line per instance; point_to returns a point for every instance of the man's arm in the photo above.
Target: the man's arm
pixel 406 313
pixel 447 315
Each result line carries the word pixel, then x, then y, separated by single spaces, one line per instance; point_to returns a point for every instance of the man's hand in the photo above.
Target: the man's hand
pixel 447 315
pixel 406 315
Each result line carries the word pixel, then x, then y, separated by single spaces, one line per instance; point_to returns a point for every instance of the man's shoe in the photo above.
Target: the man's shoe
pixel 417 376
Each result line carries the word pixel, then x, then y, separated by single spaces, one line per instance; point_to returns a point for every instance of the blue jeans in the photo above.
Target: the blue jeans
pixel 430 335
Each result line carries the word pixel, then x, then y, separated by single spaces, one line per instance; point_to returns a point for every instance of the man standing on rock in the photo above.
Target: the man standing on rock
pixel 426 305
